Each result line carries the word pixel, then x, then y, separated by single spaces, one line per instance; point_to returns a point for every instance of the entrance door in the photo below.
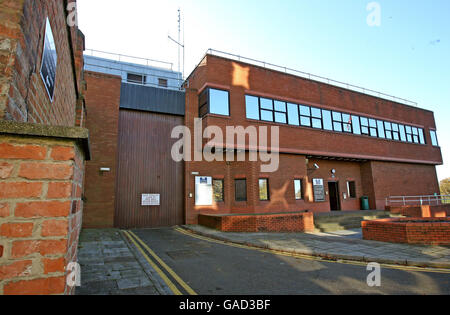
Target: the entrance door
pixel 333 189
pixel 145 166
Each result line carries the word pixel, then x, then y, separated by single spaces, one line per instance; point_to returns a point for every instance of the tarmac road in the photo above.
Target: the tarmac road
pixel 210 267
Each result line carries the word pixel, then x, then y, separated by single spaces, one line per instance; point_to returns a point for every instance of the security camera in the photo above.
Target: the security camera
pixel 316 166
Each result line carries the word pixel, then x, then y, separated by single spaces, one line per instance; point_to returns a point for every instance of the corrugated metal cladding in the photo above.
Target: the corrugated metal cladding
pixel 152 99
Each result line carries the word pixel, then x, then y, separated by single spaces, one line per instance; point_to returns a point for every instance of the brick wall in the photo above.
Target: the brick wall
pixel 431 231
pixel 41 183
pixel 23 96
pixel 380 168
pixel 437 211
pixel 295 222
pixel 102 102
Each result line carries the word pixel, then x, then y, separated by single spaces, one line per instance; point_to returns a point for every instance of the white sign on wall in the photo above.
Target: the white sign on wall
pixel 203 191
pixel 150 200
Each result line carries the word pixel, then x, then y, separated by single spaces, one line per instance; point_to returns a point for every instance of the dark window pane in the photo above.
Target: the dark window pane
pixel 351 186
pixel 298 189
pixel 263 189
pixel 162 82
pixel 218 102
pixel 266 103
pixel 293 114
pixel 252 107
pixel 240 189
pixel 136 78
pixel 218 190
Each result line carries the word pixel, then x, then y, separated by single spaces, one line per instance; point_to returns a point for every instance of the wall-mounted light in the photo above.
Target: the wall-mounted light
pixel 105 169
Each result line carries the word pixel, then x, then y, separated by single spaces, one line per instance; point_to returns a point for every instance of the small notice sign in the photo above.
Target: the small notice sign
pixel 150 200
pixel 319 190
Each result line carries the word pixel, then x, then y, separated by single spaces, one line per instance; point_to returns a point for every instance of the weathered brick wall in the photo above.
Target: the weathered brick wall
pixel 23 96
pixel 41 183
pixel 102 101
pixel 431 231
pixel 295 222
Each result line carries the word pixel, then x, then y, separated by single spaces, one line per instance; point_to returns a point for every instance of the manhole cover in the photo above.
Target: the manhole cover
pixel 181 254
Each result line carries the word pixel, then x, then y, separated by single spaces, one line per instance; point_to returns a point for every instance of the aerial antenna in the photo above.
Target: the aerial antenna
pixel 179 43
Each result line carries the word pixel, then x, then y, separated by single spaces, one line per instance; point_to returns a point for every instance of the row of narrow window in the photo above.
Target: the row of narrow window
pixel 217 102
pixel 240 189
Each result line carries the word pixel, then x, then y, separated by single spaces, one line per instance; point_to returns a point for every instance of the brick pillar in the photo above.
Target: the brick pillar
pixel 41 184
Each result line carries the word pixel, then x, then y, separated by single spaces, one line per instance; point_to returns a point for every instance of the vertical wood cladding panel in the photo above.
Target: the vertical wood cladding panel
pixel 145 166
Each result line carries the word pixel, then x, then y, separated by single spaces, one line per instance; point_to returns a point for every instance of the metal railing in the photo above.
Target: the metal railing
pixel 310 76
pixel 129 59
pixel 418 200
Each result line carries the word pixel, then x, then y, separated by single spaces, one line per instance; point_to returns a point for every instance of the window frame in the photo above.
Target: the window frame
pixel 350 196
pixel 223 189
pixel 302 197
pixel 236 180
pixel 267 189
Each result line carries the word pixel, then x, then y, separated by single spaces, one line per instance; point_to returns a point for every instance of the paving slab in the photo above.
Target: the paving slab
pixel 110 266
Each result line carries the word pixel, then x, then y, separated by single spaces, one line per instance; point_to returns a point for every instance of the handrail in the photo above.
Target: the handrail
pixel 312 77
pixel 120 57
pixel 418 200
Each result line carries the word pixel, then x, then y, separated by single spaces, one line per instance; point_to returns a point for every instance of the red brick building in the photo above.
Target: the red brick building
pixel 42 145
pixel 336 145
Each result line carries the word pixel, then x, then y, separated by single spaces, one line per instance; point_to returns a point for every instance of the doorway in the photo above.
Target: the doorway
pixel 333 189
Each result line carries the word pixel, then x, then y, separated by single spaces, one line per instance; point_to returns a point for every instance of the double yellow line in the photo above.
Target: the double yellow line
pixel 310 257
pixel 140 245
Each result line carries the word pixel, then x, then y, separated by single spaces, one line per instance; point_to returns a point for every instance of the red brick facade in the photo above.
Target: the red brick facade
pixel 379 167
pixel 102 101
pixel 294 222
pixel 23 96
pixel 430 231
pixel 41 181
pixel 42 149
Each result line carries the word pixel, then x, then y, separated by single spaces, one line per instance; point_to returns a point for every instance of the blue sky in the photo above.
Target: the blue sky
pixel 406 56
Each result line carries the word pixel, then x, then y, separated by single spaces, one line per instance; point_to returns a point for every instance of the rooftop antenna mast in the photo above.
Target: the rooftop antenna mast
pixel 179 43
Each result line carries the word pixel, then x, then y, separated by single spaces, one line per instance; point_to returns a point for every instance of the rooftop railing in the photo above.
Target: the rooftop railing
pixel 310 76
pixel 418 200
pixel 129 59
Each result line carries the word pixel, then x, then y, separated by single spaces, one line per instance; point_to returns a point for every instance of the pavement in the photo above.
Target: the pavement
pixel 113 264
pixel 109 266
pixel 339 245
